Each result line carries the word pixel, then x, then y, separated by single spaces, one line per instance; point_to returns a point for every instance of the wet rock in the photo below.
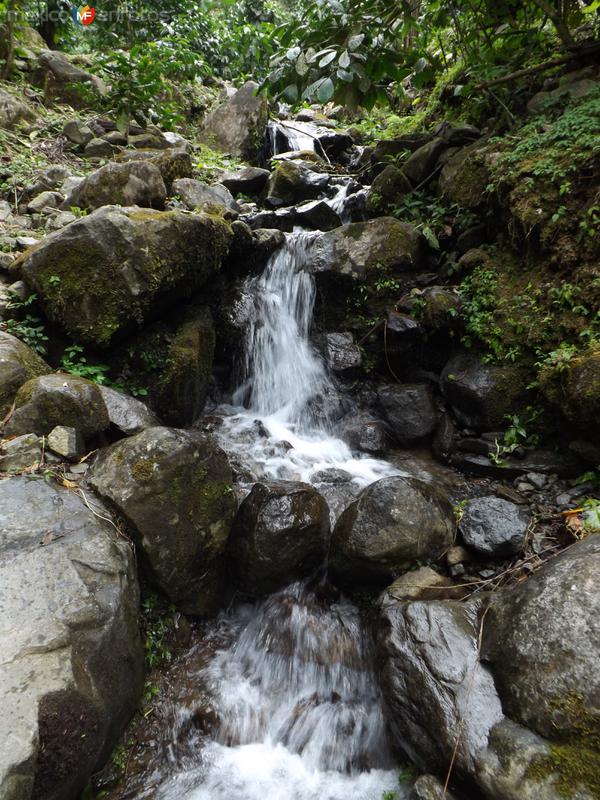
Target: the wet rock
pixel 440 308
pixel 58 399
pixel 317 215
pixel 387 189
pixel 363 432
pixel 19 453
pixel 14 111
pixel 564 464
pixel 18 364
pixel 280 534
pixel 388 149
pixel 73 663
pixel 574 388
pixel 393 523
pixel 341 354
pixel 292 183
pixel 195 194
pixel 117 268
pixel 421 164
pixel 174 489
pixel 78 132
pixel 445 437
pixel 420 584
pixel 237 125
pixel 249 181
pixel 66 442
pixel 135 183
pixel 494 527
pixel 128 415
pixel 542 640
pixel 428 787
pixel 481 395
pixel 355 249
pixel 409 409
pixel 434 684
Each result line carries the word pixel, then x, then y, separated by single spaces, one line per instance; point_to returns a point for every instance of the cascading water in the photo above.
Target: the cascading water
pixel 300 715
pixel 285 387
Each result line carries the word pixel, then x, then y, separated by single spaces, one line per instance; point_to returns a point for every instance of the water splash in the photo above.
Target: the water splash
pixel 300 710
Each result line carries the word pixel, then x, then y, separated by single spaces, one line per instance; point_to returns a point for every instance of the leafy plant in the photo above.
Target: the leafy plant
pixel 75 362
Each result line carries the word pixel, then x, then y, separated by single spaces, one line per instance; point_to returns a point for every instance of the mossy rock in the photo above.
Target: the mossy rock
pixel 465 177
pixel 387 189
pixel 174 489
pixel 574 388
pixel 114 270
pixel 18 364
pixel 58 399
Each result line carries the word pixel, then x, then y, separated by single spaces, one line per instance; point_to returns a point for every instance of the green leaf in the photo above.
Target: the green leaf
pixel 290 93
pixel 327 59
pixel 355 42
pixel 344 61
pixel 301 65
pixel 325 91
pixel 123 122
pixel 344 75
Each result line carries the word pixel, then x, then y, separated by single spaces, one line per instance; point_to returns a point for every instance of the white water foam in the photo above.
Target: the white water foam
pixel 286 388
pixel 299 706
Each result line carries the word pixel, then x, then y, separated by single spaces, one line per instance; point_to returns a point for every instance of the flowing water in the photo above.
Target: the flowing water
pixel 298 710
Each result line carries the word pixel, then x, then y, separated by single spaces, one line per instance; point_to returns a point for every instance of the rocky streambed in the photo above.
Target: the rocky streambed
pixel 359 597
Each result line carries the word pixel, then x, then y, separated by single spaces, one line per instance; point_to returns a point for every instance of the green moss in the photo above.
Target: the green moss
pixel 143 469
pixel 574 759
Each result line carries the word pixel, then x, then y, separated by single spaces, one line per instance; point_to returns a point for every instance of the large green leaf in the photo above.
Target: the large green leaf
pixel 325 91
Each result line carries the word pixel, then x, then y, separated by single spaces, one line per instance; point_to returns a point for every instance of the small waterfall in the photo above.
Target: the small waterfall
pixel 300 714
pixel 286 137
pixel 285 386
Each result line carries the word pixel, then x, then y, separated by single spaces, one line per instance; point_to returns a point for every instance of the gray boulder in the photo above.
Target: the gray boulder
pixel 422 163
pixel 494 527
pixel 195 194
pixel 465 177
pixel 341 353
pixel 387 189
pixel 58 399
pixel 134 183
pixel 18 364
pixel 44 200
pixel 481 395
pixel 117 268
pixel 237 126
pixel 174 489
pixel 72 661
pixel 14 110
pixel 20 452
pixel 291 183
pixel 365 433
pixel 66 442
pixel 101 149
pixel 78 132
pixel 281 534
pixel 428 787
pixel 128 415
pixel 393 523
pixel 249 180
pixel 356 249
pixel 409 410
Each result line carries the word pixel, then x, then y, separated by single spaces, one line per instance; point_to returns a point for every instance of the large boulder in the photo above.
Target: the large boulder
pixel 393 523
pixel 409 410
pixel 422 163
pixel 574 388
pixel 174 489
pixel 387 190
pixel 58 399
pixel 237 126
pixel 280 535
pixel 135 183
pixel 119 267
pixel 195 194
pixel 72 660
pixel 494 527
pixel 18 364
pixel 291 183
pixel 173 163
pixel 64 80
pixel 452 671
pixel 465 176
pixel 481 395
pixel 356 249
pixel 248 180
pixel 14 110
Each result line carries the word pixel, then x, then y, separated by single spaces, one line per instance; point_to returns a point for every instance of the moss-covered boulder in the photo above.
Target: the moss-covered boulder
pixel 292 183
pixel 465 177
pixel 136 183
pixel 481 395
pixel 58 399
pixel 574 387
pixel 237 126
pixel 18 364
pixel 119 267
pixel 357 249
pixel 173 163
pixel 387 189
pixel 14 110
pixel 174 489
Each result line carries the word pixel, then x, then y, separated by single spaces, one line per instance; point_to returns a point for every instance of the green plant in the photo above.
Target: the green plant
pixel 75 362
pixel 591 515
pixel 157 624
